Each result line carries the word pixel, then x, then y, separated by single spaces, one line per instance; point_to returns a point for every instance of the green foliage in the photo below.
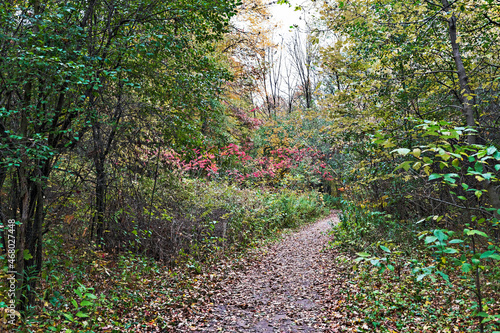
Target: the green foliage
pixel 420 280
pixel 414 121
pixel 467 171
pixel 391 302
pixel 70 69
pixel 363 229
pixel 88 289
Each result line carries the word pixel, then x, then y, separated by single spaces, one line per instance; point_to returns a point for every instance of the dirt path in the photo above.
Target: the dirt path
pixel 285 291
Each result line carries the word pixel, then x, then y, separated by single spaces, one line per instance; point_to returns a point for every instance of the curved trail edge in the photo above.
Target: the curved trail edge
pixel 287 290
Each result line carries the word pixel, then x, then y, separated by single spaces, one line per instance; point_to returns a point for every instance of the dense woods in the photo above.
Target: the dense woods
pixel 143 141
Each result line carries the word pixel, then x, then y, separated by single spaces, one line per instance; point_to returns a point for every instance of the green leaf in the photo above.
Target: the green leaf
pixel 491 150
pixel 487 175
pixel 68 316
pixel 489 254
pixel 435 176
pixel 450 250
pixel 92 296
pixel 363 254
pixel 430 239
pixel 86 303
pixel 455 241
pixel 82 315
pixel 27 255
pixel 466 268
pixel 401 151
pixel 443 275
pixel 385 249
pixel 75 304
pixel 476 232
pixel 390 267
pixel 421 276
pixel 405 165
pixel 440 235
pixel 449 177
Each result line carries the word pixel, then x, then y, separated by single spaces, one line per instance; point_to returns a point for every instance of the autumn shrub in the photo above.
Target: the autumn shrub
pixel 300 142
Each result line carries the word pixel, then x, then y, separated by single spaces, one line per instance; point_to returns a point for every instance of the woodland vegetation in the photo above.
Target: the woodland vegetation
pixel 142 141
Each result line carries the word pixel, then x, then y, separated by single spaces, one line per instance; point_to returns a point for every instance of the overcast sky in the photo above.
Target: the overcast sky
pixel 288 16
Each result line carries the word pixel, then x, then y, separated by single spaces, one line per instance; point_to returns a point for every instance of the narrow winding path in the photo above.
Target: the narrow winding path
pixel 287 290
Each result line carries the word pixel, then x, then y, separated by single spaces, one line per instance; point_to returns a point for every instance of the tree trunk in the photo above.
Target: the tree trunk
pixel 21 233
pixel 100 192
pixel 463 80
pixel 468 101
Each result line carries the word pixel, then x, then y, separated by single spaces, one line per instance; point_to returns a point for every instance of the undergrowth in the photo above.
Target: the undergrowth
pixel 396 282
pixel 85 288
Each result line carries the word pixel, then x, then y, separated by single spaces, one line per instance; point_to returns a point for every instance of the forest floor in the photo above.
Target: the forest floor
pixel 286 286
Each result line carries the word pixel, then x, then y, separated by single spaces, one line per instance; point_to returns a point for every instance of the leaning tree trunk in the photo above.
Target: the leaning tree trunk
pixel 466 94
pixel 467 97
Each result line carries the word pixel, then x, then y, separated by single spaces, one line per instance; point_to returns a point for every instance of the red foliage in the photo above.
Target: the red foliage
pixel 234 162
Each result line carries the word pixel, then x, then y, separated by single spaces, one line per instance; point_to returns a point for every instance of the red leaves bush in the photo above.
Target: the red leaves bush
pixel 237 164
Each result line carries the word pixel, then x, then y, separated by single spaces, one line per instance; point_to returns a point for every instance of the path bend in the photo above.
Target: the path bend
pixel 286 290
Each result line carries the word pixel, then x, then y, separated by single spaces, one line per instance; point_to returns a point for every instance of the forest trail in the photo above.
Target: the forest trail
pixel 286 290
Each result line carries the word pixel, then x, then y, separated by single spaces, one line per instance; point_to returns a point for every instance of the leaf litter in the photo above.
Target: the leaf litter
pixel 286 286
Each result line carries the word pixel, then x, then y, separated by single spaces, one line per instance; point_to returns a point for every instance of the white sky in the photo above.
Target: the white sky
pixel 285 16
pixel 288 16
pixel 289 20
